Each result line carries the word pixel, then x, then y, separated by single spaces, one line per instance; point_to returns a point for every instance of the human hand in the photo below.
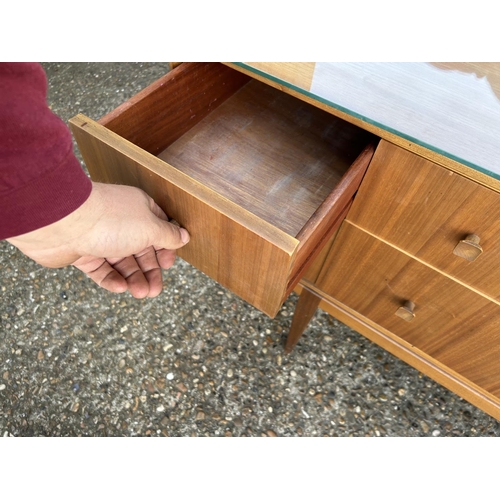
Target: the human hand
pixel 119 237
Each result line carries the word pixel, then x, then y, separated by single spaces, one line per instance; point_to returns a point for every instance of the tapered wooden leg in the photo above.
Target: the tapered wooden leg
pixel 304 311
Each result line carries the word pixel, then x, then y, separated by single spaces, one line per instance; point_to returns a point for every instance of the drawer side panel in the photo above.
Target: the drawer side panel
pixel 327 219
pixel 160 114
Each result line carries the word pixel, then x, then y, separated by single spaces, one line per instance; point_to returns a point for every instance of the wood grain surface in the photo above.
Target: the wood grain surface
pixel 408 353
pixel 305 309
pixel 454 325
pixel 328 217
pixel 426 211
pixel 234 247
pixel 313 270
pixel 253 168
pixel 274 155
pixel 166 109
pixel 312 245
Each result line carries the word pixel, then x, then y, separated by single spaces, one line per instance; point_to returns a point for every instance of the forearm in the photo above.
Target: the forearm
pixel 41 181
pixel 55 215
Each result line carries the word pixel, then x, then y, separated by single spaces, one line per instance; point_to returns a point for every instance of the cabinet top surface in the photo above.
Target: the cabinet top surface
pixel 452 109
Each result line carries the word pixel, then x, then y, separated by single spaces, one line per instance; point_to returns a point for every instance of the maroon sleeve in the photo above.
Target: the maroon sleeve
pixel 41 180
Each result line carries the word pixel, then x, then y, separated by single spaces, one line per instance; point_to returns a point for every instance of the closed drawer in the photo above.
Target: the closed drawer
pixel 260 179
pixel 427 210
pixel 450 323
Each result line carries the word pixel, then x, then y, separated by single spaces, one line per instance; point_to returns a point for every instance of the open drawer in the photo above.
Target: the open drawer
pixel 260 179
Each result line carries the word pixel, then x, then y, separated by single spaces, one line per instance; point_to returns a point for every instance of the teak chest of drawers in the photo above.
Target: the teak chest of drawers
pixel 263 180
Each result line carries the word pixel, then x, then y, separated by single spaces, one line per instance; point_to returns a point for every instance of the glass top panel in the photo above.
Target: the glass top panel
pixel 450 108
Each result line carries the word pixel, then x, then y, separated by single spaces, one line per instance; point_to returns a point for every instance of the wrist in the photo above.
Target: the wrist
pixel 57 244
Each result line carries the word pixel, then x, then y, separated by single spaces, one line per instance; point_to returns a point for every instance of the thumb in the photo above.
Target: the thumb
pixel 170 235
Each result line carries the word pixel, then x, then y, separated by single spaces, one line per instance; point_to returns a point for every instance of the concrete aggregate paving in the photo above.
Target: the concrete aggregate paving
pixel 76 360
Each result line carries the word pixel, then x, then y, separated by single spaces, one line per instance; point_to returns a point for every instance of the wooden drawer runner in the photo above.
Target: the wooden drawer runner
pixel 426 210
pixel 451 323
pixel 260 179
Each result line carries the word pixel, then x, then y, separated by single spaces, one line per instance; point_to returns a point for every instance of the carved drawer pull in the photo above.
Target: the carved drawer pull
pixel 406 311
pixel 469 249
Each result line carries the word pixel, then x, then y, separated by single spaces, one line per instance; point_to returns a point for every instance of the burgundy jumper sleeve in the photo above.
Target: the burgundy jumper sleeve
pixel 41 180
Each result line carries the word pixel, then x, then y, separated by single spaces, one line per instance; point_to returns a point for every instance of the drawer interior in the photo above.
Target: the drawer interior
pixel 272 154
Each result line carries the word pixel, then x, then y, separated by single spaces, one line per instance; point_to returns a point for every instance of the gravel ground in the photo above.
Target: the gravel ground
pixel 195 361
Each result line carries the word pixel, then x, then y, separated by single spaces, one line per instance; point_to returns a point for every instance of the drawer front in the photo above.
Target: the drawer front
pixel 221 244
pixel 429 211
pixel 449 322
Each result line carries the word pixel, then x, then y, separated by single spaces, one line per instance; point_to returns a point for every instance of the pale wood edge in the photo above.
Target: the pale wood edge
pixel 465 171
pixel 161 168
pixel 404 351
pixel 299 74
